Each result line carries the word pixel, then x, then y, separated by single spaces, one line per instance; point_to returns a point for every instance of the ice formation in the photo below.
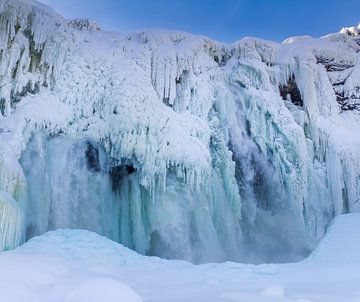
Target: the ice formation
pixel 174 144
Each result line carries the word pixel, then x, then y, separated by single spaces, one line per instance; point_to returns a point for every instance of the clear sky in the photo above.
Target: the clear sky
pixel 223 20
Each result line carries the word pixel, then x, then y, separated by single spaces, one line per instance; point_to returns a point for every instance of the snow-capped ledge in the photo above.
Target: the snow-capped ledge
pixel 351 31
pixel 84 24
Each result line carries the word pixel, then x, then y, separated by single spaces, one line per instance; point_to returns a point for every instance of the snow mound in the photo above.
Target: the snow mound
pixel 77 265
pixel 342 241
pixel 273 291
pixel 105 290
pixel 68 266
pixel 81 244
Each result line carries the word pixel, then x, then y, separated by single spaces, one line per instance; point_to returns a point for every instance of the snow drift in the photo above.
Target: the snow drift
pixel 77 265
pixel 173 144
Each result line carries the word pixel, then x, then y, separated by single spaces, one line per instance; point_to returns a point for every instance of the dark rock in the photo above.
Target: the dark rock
pixel 291 89
pixel 92 158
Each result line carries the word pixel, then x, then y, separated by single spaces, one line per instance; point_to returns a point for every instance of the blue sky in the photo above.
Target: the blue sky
pixel 224 20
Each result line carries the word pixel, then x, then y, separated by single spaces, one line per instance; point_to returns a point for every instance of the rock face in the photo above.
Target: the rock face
pixel 173 144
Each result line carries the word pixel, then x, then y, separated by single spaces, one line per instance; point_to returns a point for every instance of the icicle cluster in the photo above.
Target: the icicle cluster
pixel 33 44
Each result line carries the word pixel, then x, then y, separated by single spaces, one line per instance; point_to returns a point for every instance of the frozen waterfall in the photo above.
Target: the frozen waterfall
pixel 174 144
pixel 68 187
pixel 71 185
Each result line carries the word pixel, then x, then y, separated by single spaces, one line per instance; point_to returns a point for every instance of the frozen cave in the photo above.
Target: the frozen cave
pixel 173 144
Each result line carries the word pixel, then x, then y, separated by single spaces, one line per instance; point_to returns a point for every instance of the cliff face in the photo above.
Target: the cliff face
pixel 174 144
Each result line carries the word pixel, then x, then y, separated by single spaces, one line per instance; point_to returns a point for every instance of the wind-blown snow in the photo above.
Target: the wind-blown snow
pixel 200 150
pixel 74 265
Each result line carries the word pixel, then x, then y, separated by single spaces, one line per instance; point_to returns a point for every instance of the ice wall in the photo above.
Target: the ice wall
pixel 71 185
pixel 202 151
pixel 12 206
pixel 68 186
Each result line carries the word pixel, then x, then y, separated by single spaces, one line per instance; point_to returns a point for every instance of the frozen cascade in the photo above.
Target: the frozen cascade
pixel 189 227
pixel 174 144
pixel 11 222
pixel 68 186
pixel 71 186
pixel 272 214
pixel 12 205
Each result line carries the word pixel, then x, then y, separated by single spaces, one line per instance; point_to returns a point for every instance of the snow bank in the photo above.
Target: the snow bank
pixel 77 265
pixel 102 289
pixel 341 242
pixel 65 266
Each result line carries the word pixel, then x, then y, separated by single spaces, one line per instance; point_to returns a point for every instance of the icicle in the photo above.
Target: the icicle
pixel 11 222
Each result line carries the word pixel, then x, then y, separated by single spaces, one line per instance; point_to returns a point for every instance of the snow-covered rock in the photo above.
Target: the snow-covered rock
pixel 84 24
pixel 174 144
pixel 351 31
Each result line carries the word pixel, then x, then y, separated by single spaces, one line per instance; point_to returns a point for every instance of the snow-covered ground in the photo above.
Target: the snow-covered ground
pixel 80 266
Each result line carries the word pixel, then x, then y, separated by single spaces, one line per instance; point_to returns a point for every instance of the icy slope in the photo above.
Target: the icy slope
pixel 341 244
pixel 173 144
pixel 74 265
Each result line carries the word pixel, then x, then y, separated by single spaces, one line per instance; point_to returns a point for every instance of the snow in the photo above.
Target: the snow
pixel 220 165
pixel 340 244
pixel 77 265
pixel 94 289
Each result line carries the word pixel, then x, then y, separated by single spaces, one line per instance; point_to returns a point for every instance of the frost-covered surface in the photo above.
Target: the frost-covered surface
pixel 198 150
pixel 74 265
pixel 84 24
